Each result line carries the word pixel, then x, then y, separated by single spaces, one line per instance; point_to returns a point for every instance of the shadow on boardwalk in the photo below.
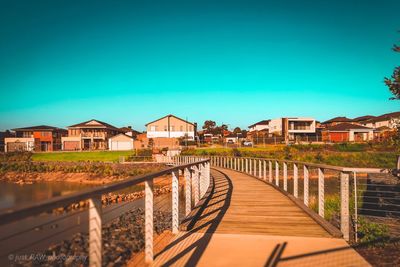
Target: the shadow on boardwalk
pixel 205 218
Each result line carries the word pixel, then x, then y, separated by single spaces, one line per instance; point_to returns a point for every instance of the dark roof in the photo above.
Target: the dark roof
pixel 39 128
pixel 170 115
pixel 263 122
pixel 346 126
pixel 363 118
pixel 84 124
pixel 337 119
pixel 128 129
pixel 386 116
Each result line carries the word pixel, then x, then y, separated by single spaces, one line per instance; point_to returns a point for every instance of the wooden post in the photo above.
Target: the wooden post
pixel 247 165
pixel 285 176
pixel 295 180
pixel 234 163
pixel 276 173
pixel 265 170
pixel 321 193
pixel 95 244
pixel 188 191
pixel 242 164
pixel 306 183
pixel 195 182
pixel 231 163
pixel 250 166
pixel 344 205
pixel 259 169
pixel 148 227
pixel 270 171
pixel 175 202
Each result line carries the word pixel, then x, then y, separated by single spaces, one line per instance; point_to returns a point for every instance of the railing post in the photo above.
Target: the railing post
pixel 148 224
pixel 195 182
pixel 250 166
pixel 285 176
pixel 242 164
pixel 95 242
pixel 259 169
pixel 295 180
pixel 306 183
pixel 175 202
pixel 188 191
pixel 321 193
pixel 270 171
pixel 265 170
pixel 231 163
pixel 247 165
pixel 234 163
pixel 344 205
pixel 276 173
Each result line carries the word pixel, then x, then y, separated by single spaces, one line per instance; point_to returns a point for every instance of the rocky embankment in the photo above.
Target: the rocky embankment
pixel 122 239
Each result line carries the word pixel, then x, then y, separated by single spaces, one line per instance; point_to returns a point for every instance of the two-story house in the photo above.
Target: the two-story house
pixel 171 126
pixel 292 128
pixel 89 135
pixel 35 138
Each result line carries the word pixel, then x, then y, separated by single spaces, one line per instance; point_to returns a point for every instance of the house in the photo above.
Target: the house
pixel 361 120
pixel 121 142
pixel 292 128
pixel 89 135
pixel 129 131
pixel 4 135
pixel 35 138
pixel 335 121
pixel 171 126
pixel 347 132
pixel 390 120
pixel 258 126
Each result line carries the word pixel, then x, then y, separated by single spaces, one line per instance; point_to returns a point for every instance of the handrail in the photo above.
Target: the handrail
pixel 46 205
pixel 196 172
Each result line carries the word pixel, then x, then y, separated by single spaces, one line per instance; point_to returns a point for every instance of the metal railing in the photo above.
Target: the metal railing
pixel 196 172
pixel 311 184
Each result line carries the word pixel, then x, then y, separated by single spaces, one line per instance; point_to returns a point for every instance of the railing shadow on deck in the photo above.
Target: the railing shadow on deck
pixel 202 212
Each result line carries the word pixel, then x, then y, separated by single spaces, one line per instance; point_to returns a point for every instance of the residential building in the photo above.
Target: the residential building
pixel 292 128
pixel 89 135
pixel 390 120
pixel 35 138
pixel 335 121
pixel 4 135
pixel 129 131
pixel 363 119
pixel 171 126
pixel 261 125
pixel 347 132
pixel 121 142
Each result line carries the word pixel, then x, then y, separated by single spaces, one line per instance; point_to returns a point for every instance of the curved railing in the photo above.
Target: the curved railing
pixel 197 179
pixel 276 172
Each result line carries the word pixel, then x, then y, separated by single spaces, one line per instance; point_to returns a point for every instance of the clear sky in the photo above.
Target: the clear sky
pixel 236 62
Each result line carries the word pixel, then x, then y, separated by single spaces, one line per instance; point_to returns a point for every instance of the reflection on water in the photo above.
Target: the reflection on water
pixel 12 195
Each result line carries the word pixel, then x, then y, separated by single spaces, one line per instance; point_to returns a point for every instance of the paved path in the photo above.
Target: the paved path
pixel 245 222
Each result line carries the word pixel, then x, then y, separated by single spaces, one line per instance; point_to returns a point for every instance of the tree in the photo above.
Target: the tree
pixel 237 130
pixel 209 126
pixel 393 83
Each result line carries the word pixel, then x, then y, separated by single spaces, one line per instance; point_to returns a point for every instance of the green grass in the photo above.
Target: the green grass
pixel 313 154
pixel 106 156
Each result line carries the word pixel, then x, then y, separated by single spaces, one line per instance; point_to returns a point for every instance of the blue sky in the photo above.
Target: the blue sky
pixel 236 62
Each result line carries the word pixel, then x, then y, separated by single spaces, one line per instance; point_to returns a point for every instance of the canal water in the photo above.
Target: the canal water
pixel 13 195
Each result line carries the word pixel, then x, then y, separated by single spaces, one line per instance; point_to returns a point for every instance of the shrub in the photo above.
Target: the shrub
pixel 372 232
pixel 236 152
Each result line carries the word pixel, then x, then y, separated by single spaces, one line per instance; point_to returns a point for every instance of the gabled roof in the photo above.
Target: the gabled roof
pixel 337 119
pixel 263 122
pixel 122 135
pixel 363 118
pixel 94 124
pixel 39 128
pixel 386 116
pixel 128 129
pixel 170 115
pixel 346 127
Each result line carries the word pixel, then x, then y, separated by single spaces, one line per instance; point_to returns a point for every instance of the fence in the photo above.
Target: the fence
pixel 342 196
pixel 41 224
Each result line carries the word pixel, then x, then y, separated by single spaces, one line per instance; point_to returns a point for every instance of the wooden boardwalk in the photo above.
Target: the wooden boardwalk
pixel 243 221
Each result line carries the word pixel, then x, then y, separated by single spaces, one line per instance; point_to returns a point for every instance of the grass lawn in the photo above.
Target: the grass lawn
pixel 107 156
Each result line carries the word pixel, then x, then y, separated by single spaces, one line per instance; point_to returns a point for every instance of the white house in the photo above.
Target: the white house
pixel 292 127
pixel 171 126
pixel 120 142
pixel 261 125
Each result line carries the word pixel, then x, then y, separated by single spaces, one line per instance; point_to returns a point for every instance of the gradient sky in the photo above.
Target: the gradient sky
pixel 236 62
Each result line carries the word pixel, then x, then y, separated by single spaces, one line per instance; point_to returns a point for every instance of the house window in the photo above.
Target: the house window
pixel 172 129
pixel 153 128
pixel 165 128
